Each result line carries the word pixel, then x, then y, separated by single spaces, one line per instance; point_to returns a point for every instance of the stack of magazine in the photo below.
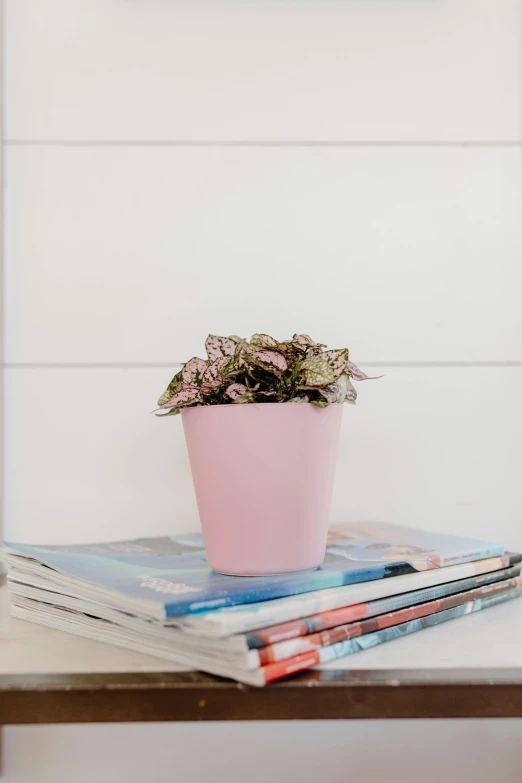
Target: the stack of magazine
pixel 158 596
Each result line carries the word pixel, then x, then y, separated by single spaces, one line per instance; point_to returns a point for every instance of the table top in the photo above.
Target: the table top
pixel 470 667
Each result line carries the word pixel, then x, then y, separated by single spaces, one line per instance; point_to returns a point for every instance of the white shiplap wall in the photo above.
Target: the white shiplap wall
pixel 351 168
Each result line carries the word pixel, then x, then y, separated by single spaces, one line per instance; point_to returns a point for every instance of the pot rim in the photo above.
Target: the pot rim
pixel 252 404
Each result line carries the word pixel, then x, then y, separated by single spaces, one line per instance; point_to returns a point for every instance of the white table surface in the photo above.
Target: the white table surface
pixel 491 638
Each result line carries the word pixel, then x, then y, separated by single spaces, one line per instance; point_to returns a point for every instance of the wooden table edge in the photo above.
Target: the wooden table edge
pixel 316 695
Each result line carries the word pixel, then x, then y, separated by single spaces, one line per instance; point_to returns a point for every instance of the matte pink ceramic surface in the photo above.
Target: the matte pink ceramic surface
pixel 263 475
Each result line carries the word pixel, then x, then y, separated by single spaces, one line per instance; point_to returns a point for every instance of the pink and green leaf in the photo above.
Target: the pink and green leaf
pixel 218 347
pixel 236 390
pixel 359 375
pixel 187 394
pixel 193 371
pixel 263 370
pixel 336 392
pixel 351 393
pixel 303 339
pixel 213 376
pixel 272 359
pixel 337 360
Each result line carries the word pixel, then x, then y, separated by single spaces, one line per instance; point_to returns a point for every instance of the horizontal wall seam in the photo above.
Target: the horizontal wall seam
pixel 254 143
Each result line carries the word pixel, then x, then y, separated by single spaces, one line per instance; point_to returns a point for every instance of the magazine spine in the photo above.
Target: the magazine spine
pixel 277 671
pixel 325 638
pixel 286 587
pixel 323 620
pixel 476 554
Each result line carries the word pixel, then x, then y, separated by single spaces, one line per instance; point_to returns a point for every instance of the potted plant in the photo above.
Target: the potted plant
pixel 262 421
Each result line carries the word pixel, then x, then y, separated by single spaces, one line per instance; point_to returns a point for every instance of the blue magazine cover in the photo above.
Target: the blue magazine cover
pixel 172 572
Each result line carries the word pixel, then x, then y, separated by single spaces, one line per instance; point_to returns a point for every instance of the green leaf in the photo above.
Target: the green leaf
pixel 171 412
pixel 320 403
pixel 172 388
pixel 318 371
pixel 238 360
pixel 263 341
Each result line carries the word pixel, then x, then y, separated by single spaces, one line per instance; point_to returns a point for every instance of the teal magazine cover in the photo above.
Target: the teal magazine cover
pixel 172 573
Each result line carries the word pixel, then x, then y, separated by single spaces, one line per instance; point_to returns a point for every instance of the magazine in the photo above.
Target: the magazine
pixel 241 619
pixel 168 577
pixel 234 620
pixel 104 631
pixel 234 650
pixel 248 644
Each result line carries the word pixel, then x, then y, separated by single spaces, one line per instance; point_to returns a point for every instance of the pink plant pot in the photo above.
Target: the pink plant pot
pixel 263 476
